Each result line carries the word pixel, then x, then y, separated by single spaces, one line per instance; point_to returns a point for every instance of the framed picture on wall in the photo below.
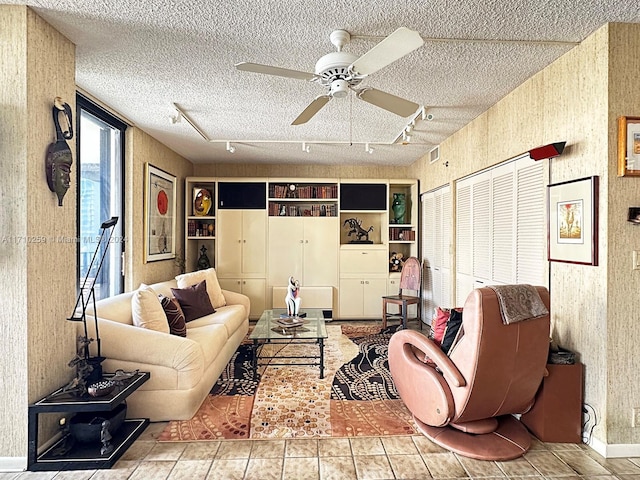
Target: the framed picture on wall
pixel 159 214
pixel 629 146
pixel 573 221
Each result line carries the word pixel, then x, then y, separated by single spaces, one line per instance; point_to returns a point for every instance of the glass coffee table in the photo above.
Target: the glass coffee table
pixel 269 330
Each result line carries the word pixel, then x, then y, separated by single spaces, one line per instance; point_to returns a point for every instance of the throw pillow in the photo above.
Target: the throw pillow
pixel 451 333
pixel 439 324
pixel 194 301
pixel 146 310
pixel 213 286
pixel 175 316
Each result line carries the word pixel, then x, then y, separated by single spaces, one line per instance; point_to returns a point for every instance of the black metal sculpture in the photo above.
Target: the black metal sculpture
pixel 88 368
pixel 355 225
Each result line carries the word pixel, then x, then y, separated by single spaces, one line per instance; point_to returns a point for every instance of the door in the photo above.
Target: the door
pixel 320 252
pixel 285 250
pixel 373 291
pixel 351 297
pixel 254 227
pixel 229 237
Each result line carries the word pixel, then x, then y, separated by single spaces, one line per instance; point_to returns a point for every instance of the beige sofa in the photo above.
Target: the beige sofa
pixel 183 370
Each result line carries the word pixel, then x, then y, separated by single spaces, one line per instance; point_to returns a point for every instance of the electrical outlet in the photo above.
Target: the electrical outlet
pixel 635 418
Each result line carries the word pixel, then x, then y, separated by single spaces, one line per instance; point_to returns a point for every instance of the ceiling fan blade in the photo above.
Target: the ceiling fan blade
pixel 313 108
pixel 395 46
pixel 389 102
pixel 280 72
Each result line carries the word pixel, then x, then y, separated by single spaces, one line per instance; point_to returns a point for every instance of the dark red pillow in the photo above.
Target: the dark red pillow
pixel 439 324
pixel 194 301
pixel 175 316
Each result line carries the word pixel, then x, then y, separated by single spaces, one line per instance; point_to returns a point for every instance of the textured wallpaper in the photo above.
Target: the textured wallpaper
pixel 576 99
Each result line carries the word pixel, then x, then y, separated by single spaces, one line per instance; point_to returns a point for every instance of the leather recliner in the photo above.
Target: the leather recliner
pixel 465 402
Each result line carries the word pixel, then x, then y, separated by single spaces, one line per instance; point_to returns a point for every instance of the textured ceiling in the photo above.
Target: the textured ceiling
pixel 142 57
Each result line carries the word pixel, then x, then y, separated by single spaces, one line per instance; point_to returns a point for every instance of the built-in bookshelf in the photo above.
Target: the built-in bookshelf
pixel 303 199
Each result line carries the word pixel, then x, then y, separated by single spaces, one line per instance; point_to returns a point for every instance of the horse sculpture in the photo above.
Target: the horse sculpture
pixel 356 229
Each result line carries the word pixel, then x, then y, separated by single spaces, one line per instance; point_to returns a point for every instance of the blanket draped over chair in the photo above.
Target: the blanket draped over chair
pixel 519 302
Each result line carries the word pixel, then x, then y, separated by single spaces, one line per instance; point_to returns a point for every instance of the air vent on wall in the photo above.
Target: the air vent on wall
pixel 434 154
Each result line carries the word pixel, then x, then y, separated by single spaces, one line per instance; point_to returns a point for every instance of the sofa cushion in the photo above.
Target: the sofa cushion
pixel 212 338
pixel 175 316
pixel 146 310
pixel 213 286
pixel 194 301
pixel 231 316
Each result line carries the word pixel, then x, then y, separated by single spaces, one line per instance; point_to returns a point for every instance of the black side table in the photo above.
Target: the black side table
pixel 84 456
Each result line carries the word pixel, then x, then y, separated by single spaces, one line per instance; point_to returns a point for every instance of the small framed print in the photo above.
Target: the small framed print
pixel 573 221
pixel 629 146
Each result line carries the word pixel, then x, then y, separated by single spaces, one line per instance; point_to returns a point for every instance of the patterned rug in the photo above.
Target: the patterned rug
pixel 356 398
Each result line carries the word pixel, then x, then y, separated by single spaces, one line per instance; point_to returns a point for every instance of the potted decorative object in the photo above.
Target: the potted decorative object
pixel 89 368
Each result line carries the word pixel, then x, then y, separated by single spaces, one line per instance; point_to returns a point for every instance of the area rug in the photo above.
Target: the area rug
pixel 357 397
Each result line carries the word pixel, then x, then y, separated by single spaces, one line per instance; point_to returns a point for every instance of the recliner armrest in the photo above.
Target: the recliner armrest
pixel 433 351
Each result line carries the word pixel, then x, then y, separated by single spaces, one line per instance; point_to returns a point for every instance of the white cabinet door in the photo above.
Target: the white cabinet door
pixel 305 248
pixel 229 236
pixel 321 247
pixel 254 249
pixel 362 298
pixel 373 291
pixel 254 288
pixel 285 250
pixel 241 242
pixel 351 297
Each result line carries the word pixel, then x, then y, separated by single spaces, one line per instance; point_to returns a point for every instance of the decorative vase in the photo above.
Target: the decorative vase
pixel 399 206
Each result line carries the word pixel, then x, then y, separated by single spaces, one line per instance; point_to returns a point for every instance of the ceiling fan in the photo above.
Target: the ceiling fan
pixel 340 72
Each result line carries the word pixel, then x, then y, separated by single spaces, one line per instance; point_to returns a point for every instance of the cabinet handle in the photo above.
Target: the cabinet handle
pixel 238 282
pixel 364 253
pixel 239 241
pixel 301 241
pixel 244 282
pixel 366 282
pixel 244 241
pixel 306 241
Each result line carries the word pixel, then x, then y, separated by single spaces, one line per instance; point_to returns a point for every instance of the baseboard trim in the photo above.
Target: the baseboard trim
pixel 615 450
pixel 13 464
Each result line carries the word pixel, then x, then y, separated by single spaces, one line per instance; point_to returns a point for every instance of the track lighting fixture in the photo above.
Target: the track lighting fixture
pixel 230 148
pixel 406 137
pixel 306 148
pixel 368 149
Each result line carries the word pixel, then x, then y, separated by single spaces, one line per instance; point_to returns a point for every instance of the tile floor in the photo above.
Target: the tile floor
pixel 402 457
pixel 369 458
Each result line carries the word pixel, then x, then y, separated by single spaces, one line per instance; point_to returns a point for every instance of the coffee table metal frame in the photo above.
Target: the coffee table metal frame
pixel 268 330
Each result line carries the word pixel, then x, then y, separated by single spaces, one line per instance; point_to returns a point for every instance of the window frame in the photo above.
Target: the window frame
pixel 84 103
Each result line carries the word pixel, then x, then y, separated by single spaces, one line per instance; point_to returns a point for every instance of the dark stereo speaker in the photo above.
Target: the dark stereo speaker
pixel 547 151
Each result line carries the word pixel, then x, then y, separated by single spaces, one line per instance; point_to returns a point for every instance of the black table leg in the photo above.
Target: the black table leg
pixel 255 359
pixel 321 340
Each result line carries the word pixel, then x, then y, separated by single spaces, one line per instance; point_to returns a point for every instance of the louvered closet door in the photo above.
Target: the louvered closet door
pixel 428 226
pixel 464 241
pixel 503 211
pixel 436 238
pixel 530 234
pixel 481 227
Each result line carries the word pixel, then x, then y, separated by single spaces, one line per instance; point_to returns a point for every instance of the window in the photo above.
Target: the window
pixel 100 194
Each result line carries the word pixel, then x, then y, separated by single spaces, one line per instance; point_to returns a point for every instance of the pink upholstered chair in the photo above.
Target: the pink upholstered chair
pixel 465 403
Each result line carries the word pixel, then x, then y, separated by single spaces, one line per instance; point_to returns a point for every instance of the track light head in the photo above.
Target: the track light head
pixel 306 148
pixel 230 148
pixel 368 149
